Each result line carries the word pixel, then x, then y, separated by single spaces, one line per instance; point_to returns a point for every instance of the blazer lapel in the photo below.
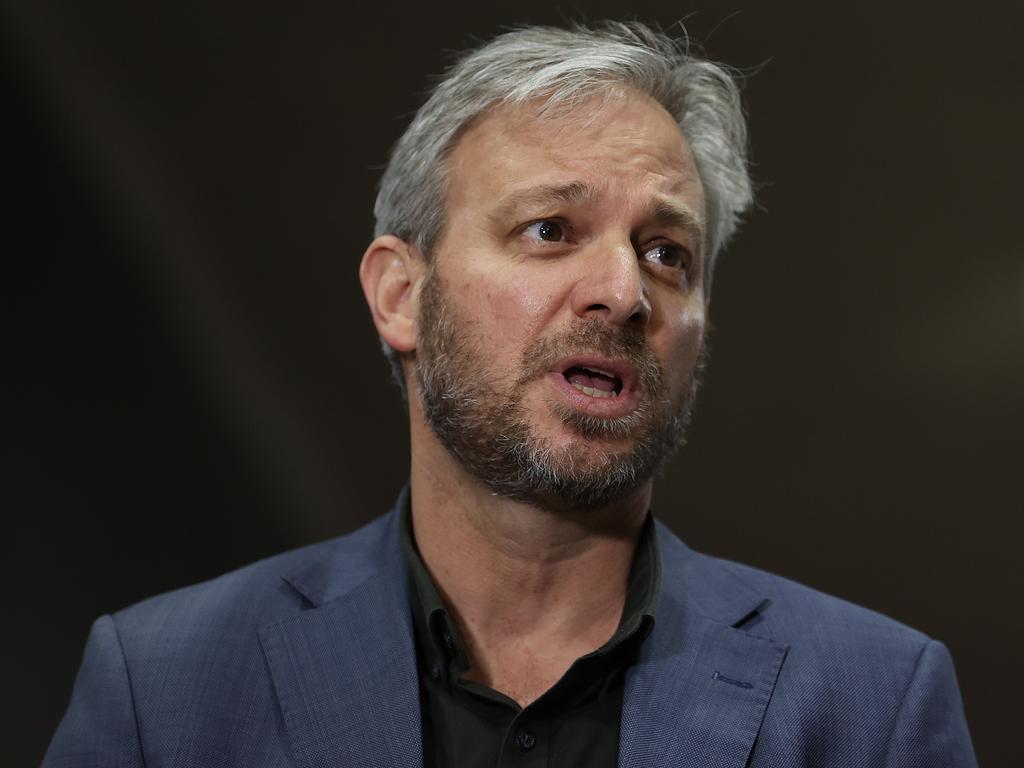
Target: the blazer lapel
pixel 345 669
pixel 698 693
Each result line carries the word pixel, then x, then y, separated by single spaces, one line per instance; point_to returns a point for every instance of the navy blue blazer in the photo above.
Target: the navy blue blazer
pixel 307 659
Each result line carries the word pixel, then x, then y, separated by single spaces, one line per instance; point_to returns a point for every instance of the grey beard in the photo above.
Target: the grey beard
pixel 491 436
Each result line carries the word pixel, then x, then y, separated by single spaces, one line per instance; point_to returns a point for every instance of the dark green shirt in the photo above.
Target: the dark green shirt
pixel 575 723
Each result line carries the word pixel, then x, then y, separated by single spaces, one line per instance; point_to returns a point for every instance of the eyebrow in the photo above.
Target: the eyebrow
pixel 670 215
pixel 541 197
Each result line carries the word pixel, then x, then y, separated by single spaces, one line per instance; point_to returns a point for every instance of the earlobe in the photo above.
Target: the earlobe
pixel 389 272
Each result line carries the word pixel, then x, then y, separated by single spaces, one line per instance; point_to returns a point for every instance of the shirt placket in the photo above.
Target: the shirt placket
pixel 527 742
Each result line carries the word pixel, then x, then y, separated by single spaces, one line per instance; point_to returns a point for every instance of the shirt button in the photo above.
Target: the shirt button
pixel 435 671
pixel 525 740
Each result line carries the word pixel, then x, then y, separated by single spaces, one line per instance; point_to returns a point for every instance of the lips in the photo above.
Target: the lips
pixel 593 381
pixel 599 386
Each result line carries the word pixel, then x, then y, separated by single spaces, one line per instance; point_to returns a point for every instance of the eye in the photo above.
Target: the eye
pixel 547 230
pixel 668 255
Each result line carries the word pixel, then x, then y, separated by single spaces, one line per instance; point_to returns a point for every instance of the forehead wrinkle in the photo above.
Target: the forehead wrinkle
pixel 542 196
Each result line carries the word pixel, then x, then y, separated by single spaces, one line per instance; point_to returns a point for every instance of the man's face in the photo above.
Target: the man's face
pixel 562 318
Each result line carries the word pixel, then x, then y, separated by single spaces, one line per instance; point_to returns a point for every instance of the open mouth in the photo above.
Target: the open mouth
pixel 593 381
pixel 599 386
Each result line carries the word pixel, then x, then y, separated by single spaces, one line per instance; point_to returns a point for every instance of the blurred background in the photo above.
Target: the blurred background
pixel 194 382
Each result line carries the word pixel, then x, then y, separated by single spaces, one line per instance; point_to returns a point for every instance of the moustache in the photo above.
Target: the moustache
pixel 593 335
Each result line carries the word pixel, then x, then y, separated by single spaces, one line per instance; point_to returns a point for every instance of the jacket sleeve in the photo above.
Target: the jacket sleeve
pixel 99 728
pixel 930 729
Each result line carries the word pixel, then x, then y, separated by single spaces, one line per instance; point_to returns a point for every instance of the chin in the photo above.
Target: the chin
pixel 586 450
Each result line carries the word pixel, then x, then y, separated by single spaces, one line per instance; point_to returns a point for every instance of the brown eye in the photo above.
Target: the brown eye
pixel 668 255
pixel 550 231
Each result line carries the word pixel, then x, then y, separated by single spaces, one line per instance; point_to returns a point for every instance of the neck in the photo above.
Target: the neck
pixel 529 588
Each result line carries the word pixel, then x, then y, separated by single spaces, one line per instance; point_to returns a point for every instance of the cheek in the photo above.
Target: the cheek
pixel 684 345
pixel 531 303
pixel 508 307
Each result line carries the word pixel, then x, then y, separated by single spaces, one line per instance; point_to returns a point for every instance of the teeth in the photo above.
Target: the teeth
pixel 593 392
pixel 598 370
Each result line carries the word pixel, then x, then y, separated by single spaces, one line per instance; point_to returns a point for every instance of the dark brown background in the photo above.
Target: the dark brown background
pixel 193 380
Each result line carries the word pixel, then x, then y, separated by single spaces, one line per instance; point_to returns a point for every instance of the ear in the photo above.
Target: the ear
pixel 389 272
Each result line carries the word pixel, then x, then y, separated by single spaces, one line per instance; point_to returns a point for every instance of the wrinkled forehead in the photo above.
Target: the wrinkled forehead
pixel 620 142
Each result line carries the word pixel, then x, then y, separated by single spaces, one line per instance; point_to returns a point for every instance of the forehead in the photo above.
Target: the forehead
pixel 625 146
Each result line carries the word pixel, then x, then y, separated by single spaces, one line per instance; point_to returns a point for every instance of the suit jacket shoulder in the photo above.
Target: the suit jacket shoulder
pixel 307 659
pixel 258 593
pixel 796 610
pixel 854 687
pixel 182 678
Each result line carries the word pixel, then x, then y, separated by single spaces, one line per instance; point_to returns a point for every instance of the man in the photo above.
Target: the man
pixel 546 233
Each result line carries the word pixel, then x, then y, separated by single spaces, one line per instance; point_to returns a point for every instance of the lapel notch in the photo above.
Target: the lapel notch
pixel 345 669
pixel 697 696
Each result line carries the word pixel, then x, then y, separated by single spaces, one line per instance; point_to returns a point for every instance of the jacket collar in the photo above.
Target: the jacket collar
pixel 371 552
pixel 344 666
pixel 705 585
pixel 698 694
pixel 698 581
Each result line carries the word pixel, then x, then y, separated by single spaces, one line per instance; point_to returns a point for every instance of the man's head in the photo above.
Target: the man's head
pixel 546 228
pixel 557 69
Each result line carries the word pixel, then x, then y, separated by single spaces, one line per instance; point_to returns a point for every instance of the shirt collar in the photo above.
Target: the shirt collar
pixel 438 640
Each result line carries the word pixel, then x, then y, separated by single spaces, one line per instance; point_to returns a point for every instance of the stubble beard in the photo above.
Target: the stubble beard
pixel 483 423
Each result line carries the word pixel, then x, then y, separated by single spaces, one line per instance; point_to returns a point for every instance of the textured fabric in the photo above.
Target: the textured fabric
pixel 102 711
pixel 576 722
pixel 308 659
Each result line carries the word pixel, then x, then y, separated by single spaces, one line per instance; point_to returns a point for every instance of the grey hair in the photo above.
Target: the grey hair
pixel 560 69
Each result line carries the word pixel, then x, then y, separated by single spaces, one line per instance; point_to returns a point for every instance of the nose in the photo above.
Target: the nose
pixel 611 286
